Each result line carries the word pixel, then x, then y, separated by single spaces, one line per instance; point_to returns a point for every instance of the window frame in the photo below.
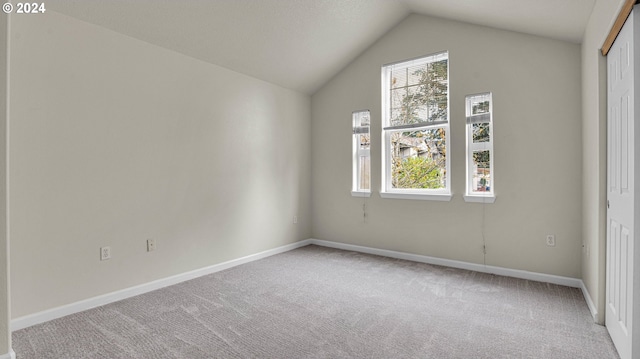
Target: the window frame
pixel 387 190
pixel 471 147
pixel 357 153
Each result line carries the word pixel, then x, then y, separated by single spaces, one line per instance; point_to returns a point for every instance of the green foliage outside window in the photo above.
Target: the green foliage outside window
pixel 418 101
pixel 417 172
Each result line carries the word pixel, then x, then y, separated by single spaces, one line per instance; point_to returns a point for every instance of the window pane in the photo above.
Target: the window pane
pixel 365 165
pixel 480 142
pixel 365 119
pixel 481 171
pixel 479 104
pixel 418 94
pixel 361 148
pixel 480 107
pixel 365 141
pixel 435 84
pixel 398 78
pixel 438 109
pixel 418 159
pixel 399 112
pixel 481 132
pixel 415 75
pixel 410 105
pixel 361 118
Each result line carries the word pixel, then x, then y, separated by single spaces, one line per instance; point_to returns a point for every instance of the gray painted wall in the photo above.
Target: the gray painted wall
pixel 5 314
pixel 538 169
pixel 594 141
pixel 113 141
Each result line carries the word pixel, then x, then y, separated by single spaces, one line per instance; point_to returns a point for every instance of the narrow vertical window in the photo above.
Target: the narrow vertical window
pixel 415 129
pixel 480 184
pixel 361 149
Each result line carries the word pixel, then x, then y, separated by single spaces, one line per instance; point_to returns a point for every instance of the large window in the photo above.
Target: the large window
pixel 479 109
pixel 415 135
pixel 361 184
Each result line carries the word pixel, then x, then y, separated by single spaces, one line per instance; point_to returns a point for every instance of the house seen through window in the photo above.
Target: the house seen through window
pixel 415 109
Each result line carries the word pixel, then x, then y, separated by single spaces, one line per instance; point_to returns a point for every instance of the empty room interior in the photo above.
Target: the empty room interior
pixel 316 178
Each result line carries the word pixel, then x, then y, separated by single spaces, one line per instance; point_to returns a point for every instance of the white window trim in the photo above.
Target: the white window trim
pixel 470 196
pixel 474 198
pixel 386 190
pixel 444 197
pixel 355 161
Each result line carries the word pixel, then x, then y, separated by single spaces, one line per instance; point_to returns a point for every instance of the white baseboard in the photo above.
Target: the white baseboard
pixel 516 273
pixel 9 355
pixel 587 298
pixel 47 315
pixel 539 277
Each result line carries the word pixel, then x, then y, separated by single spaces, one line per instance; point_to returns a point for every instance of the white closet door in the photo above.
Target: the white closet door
pixel 622 258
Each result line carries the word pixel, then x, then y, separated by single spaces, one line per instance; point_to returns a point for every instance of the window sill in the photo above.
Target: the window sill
pixel 360 194
pixel 445 197
pixel 474 198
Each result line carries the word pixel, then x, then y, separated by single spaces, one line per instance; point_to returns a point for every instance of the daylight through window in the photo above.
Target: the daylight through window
pixel 479 109
pixel 416 128
pixel 361 150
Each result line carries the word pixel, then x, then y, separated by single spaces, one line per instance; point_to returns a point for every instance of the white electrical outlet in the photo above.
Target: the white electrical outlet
pixel 551 240
pixel 295 219
pixel 105 253
pixel 151 245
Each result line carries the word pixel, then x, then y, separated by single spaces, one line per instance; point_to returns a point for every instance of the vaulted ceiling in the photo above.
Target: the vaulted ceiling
pixel 301 44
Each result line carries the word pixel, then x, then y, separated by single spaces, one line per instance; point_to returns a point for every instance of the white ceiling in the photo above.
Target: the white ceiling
pixel 301 44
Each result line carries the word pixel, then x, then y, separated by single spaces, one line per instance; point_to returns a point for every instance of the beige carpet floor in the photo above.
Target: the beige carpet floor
pixel 316 302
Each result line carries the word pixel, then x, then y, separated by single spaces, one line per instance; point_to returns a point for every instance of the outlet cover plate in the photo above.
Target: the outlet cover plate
pixel 551 240
pixel 105 253
pixel 151 245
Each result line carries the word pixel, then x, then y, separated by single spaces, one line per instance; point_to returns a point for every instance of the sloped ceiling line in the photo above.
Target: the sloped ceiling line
pixel 301 44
